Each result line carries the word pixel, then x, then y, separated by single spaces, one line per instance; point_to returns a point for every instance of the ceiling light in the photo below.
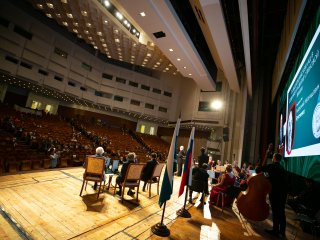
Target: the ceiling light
pixel 95 47
pixel 76 24
pixel 105 21
pixel 190 74
pixel 49 15
pixel 40 6
pixel 134 30
pixel 185 67
pixel 146 60
pixel 119 49
pixel 64 1
pixel 90 38
pixel 119 15
pixel 125 21
pixel 142 14
pixel 99 33
pixel 216 104
pixel 75 30
pixel 84 13
pixel 170 65
pixel 158 63
pixel 167 68
pixel 106 3
pixel 178 59
pixel 69 15
pixel 65 23
pixel 149 54
pixel 128 25
pixel 104 45
pixel 58 15
pixel 117 40
pixel 86 32
pixel 171 50
pixel 88 24
pixel 50 5
pixel 79 36
pixel 133 56
pixel 137 34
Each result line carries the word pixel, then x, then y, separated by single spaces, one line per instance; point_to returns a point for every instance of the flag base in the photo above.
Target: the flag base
pixel 160 230
pixel 183 213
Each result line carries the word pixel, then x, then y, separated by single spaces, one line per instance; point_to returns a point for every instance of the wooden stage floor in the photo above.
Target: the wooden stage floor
pixel 47 205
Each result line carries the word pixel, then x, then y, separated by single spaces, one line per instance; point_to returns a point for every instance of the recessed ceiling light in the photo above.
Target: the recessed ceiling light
pixel 90 38
pixel 84 13
pixel 171 50
pixel 104 45
pixel 119 15
pixel 170 65
pixel 167 68
pixel 50 5
pixel 119 49
pixel 178 59
pixel 149 54
pixel 142 14
pixel 65 23
pixel 117 40
pixel 125 21
pixel 133 56
pixel 95 47
pixel 185 67
pixel 158 63
pixel 99 33
pixel 49 15
pixel 88 24
pixel 64 1
pixel 190 74
pixel 40 6
pixel 106 3
pixel 76 24
pixel 69 15
pixel 86 32
pixel 134 30
pixel 58 15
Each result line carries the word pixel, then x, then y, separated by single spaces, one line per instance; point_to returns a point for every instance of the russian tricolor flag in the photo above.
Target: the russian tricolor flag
pixel 187 164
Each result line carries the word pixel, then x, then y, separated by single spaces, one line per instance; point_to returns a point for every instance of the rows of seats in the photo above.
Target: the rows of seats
pixel 28 139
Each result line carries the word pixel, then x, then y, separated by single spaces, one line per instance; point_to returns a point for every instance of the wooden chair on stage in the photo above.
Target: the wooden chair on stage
pixel 132 179
pixel 94 171
pixel 155 175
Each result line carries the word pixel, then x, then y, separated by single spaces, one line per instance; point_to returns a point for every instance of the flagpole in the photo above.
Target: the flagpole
pixel 183 212
pixel 160 229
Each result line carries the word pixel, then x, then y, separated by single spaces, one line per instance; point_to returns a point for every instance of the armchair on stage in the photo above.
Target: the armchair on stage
pixel 94 171
pixel 132 178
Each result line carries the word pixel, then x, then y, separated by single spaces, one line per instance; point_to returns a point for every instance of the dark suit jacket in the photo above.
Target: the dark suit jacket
pixel 124 169
pixel 148 169
pixel 203 158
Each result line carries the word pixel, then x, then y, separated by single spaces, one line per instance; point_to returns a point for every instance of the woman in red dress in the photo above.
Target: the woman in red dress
pixel 224 181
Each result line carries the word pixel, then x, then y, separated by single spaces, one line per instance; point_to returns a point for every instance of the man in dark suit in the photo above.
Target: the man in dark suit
pixel 278 195
pixel 148 170
pixel 200 175
pixel 203 158
pixel 180 160
pixel 122 175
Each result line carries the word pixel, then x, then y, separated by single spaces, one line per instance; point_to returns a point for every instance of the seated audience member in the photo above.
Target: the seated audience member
pixel 122 175
pixel 148 170
pixel 99 153
pixel 54 156
pixel 201 175
pixel 224 181
pixel 211 163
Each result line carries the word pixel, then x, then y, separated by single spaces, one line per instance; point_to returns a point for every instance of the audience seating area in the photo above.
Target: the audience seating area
pixel 27 141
